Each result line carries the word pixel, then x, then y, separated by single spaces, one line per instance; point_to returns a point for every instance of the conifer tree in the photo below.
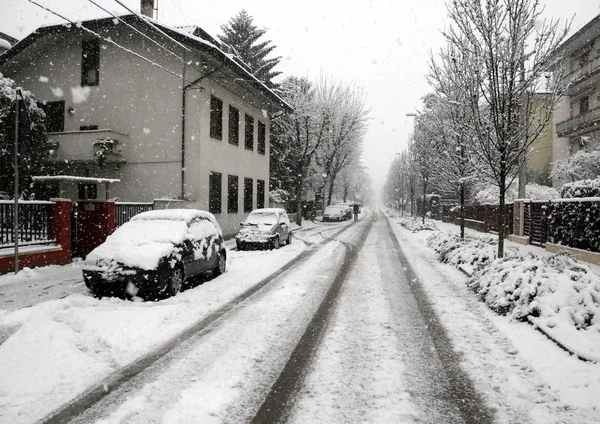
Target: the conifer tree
pixel 243 39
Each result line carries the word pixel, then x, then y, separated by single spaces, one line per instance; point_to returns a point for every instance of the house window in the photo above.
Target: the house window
pixel 584 105
pixel 88 127
pixel 232 193
pixel 214 192
pixel 248 194
pixel 216 118
pixel 90 62
pixel 87 191
pixel 260 194
pixel 234 126
pixel 249 133
pixel 262 134
pixel 55 116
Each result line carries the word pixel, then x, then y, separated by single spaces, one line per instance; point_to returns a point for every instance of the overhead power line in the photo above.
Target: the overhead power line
pixel 137 30
pixel 108 40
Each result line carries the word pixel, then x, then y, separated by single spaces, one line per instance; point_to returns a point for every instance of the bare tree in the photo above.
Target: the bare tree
pixel 452 121
pixel 506 46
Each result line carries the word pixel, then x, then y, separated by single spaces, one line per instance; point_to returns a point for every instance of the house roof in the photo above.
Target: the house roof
pixel 198 39
pixel 583 36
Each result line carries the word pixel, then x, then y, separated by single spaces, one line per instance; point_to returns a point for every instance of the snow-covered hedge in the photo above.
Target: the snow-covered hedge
pixel 416 224
pixel 583 188
pixel 490 195
pixel 556 293
pixel 577 223
pixel 474 251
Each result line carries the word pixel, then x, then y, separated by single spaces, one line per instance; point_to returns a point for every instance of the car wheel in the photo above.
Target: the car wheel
pixel 176 280
pixel 221 265
pixel 289 240
pixel 275 243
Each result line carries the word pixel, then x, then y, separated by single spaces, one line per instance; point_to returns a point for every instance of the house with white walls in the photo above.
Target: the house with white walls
pixel 162 110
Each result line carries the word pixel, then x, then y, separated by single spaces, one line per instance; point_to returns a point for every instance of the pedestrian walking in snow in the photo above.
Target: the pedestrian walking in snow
pixel 356 211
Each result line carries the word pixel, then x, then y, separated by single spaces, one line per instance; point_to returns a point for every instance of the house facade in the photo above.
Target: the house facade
pixel 164 111
pixel 577 116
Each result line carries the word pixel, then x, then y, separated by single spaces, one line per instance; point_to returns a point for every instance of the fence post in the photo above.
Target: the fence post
pixel 60 225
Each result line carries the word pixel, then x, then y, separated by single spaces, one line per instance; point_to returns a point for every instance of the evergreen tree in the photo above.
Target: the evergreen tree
pixel 242 39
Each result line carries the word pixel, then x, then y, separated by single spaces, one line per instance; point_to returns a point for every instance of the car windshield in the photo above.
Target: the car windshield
pixel 261 218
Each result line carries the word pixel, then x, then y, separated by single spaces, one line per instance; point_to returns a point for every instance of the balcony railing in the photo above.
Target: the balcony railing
pixel 580 122
pixel 84 146
pixel 582 73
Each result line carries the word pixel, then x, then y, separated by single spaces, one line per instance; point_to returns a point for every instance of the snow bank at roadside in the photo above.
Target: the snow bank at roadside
pixel 558 294
pixel 416 224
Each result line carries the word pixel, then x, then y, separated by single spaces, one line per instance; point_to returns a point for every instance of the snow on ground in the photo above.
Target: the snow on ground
pixel 65 345
pixel 524 376
pixel 225 377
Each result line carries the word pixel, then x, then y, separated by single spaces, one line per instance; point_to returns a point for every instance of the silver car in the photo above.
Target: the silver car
pixel 264 228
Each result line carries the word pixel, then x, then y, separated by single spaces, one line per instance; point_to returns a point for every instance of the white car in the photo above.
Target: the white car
pixel 267 227
pixel 334 213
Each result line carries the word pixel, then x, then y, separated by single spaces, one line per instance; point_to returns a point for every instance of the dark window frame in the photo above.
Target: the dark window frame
pixel 233 184
pixel 90 61
pixel 249 132
pixel 215 180
pixel 584 105
pixel 262 138
pixel 87 191
pixel 248 194
pixel 88 128
pixel 53 117
pixel 216 118
pixel 260 194
pixel 234 126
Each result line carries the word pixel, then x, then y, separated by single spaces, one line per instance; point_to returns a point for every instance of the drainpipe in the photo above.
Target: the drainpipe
pixel 183 97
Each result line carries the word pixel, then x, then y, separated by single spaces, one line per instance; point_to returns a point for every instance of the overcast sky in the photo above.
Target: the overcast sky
pixel 381 45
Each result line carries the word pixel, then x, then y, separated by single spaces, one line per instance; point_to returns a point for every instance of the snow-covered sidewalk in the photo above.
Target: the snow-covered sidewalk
pixel 524 376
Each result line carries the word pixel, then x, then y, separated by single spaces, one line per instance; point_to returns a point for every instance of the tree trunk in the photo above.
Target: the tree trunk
pixel 462 210
pixel 501 213
pixel 424 201
pixel 299 201
pixel 330 192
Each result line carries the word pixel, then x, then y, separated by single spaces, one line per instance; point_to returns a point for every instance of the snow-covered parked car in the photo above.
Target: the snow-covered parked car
pixel 334 213
pixel 156 252
pixel 347 209
pixel 264 228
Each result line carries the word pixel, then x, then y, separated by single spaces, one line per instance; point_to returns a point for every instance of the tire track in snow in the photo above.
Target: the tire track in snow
pixel 276 406
pixel 463 393
pixel 116 380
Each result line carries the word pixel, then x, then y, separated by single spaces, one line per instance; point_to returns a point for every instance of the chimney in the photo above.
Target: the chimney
pixel 147 8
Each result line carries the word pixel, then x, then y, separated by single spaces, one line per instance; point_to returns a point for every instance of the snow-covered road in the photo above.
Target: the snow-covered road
pixel 372 331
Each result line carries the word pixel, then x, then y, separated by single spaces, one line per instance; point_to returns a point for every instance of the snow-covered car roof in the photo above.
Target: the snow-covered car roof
pixel 187 215
pixel 268 210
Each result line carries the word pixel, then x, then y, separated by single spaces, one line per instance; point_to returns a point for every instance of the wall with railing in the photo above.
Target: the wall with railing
pixel 44 234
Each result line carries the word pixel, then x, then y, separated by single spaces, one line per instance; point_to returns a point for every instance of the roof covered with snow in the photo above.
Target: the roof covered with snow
pixel 75 179
pixel 206 45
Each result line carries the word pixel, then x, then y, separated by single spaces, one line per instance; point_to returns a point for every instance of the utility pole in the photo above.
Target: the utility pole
pixel 18 96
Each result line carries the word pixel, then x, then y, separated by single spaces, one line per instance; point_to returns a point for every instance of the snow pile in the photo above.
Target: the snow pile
pixel 416 224
pixel 557 294
pixel 491 194
pixel 473 251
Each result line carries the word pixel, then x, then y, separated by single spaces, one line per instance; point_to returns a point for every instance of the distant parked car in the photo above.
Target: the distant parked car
pixel 334 213
pixel 264 228
pixel 347 209
pixel 4 195
pixel 156 252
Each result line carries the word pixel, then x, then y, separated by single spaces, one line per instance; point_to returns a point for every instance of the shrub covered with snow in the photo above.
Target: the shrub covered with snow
pixel 583 188
pixel 475 251
pixel 556 293
pixel 416 224
pixel 490 195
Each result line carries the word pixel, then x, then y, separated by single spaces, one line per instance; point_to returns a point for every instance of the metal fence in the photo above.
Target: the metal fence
pixel 536 222
pixel 34 223
pixel 479 217
pixel 124 211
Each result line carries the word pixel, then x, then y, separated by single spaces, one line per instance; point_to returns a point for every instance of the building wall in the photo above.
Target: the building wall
pixel 561 147
pixel 145 102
